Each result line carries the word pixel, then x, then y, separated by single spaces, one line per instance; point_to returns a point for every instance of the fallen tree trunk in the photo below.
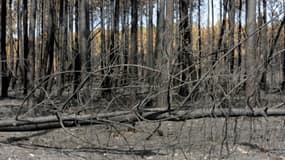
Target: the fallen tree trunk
pixel 50 122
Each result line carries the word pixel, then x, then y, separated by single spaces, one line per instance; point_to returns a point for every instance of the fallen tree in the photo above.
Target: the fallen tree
pixel 50 122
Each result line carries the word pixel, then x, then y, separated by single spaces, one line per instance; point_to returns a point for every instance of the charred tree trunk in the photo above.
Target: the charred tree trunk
pixel 5 73
pixel 185 56
pixel 25 63
pixel 49 47
pixel 265 44
pixel 199 40
pixel 32 37
pixel 84 44
pixel 77 57
pixel 232 34
pixel 102 38
pixel 283 55
pixel 125 38
pixel 222 30
pixel 63 44
pixel 11 41
pixel 50 122
pixel 150 56
pixel 134 37
pixel 239 33
pixel 162 58
pixel 109 80
pixel 142 42
pixel 251 83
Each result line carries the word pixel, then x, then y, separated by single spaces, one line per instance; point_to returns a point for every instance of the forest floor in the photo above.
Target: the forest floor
pixel 240 138
pixel 256 139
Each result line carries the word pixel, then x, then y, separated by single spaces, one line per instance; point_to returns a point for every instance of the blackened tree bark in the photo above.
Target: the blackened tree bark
pixel 158 21
pixel 41 53
pixel 185 45
pixel 232 33
pixel 31 55
pixel 162 59
pixel 167 55
pixel 77 58
pixel 63 44
pixel 18 70
pixel 25 63
pixel 125 38
pixel 4 70
pixel 70 13
pixel 11 39
pixel 109 81
pixel 150 56
pixel 102 37
pixel 265 44
pixel 115 33
pixel 283 54
pixel 142 40
pixel 49 47
pixel 84 31
pixel 251 83
pixel 224 3
pixel 239 32
pixel 134 37
pixel 199 39
pixel 115 39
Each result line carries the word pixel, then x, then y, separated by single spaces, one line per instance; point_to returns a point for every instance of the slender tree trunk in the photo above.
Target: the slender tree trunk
pixel 5 73
pixel 150 56
pixel 108 80
pixel 283 54
pixel 266 46
pixel 185 46
pixel 108 31
pixel 115 40
pixel 134 37
pixel 31 56
pixel 125 38
pixel 251 83
pixel 62 47
pixel 49 46
pixel 162 58
pixel 41 56
pixel 213 28
pixel 11 23
pixel 157 37
pixel 232 34
pixel 77 57
pixel 102 37
pixel 199 39
pixel 70 37
pixel 209 28
pixel 18 70
pixel 84 44
pixel 25 63
pixel 167 55
pixel 142 42
pixel 222 29
pixel 239 33
pixel 66 64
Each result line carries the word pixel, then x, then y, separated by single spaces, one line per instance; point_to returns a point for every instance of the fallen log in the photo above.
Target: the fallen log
pixel 50 122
